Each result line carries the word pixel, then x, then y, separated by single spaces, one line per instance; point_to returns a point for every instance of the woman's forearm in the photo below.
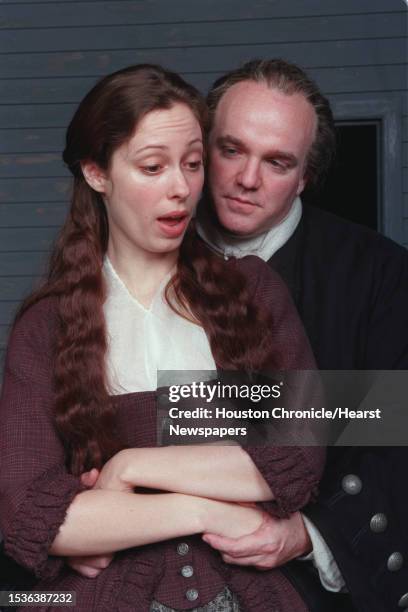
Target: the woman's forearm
pixel 220 472
pixel 100 521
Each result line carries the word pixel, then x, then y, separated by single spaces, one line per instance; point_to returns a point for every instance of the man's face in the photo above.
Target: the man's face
pixel 259 142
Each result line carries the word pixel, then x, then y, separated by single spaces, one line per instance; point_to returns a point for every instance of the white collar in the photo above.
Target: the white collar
pixel 263 246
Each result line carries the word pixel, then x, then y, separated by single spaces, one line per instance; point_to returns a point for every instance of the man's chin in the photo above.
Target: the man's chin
pixel 238 226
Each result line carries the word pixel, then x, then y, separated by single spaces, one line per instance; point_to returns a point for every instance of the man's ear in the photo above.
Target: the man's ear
pixel 302 184
pixel 94 176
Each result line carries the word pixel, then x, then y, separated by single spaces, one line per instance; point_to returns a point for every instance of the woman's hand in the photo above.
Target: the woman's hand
pixel 91 566
pixel 111 476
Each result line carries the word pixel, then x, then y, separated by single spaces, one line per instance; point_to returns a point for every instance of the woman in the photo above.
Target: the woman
pixel 132 290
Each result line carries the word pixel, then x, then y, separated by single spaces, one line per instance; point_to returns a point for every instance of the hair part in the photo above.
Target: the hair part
pixel 289 79
pixel 109 114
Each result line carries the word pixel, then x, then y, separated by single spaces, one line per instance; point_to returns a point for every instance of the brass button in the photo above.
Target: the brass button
pixel 378 523
pixel 192 594
pixel 187 571
pixel 183 548
pixel 351 484
pixel 395 562
pixel 403 602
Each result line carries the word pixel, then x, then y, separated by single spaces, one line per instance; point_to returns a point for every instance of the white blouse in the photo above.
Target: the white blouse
pixel 143 340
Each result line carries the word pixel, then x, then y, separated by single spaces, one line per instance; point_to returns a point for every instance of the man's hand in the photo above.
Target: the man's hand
pixel 274 543
pixel 90 567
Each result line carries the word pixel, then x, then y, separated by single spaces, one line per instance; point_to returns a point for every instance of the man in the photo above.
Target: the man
pixel 272 136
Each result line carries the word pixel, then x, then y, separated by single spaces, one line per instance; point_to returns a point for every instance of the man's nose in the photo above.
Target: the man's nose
pixel 180 188
pixel 249 176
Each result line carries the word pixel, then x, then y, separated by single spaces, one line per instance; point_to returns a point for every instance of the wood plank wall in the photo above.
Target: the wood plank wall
pixel 52 52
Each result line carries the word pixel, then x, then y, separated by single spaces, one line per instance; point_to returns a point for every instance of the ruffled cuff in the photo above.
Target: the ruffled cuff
pixel 290 475
pixel 38 520
pixel 322 558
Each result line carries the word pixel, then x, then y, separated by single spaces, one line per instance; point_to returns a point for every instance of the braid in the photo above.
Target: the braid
pixel 83 412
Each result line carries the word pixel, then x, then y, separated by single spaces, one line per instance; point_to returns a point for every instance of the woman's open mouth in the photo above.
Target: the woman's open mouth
pixel 174 223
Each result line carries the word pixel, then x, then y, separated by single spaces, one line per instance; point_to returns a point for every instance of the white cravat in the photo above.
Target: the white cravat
pixel 264 245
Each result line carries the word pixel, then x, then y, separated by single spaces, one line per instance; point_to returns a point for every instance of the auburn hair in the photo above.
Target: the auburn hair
pixel 216 297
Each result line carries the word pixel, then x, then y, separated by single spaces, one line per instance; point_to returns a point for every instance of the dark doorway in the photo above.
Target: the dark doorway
pixel 352 186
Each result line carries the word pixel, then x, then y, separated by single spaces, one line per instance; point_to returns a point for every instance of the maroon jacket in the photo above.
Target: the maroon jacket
pixel 36 489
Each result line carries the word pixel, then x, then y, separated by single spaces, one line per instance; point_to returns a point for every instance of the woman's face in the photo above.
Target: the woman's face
pixel 153 182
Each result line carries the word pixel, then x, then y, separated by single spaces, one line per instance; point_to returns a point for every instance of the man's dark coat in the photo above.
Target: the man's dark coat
pixel 350 286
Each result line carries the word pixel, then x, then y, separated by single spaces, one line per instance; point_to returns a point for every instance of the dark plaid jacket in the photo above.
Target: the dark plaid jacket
pixel 36 489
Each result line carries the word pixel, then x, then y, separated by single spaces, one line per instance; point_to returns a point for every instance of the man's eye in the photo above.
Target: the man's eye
pixel 229 151
pixel 276 164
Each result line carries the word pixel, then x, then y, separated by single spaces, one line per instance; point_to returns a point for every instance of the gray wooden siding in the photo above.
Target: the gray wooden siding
pixel 51 53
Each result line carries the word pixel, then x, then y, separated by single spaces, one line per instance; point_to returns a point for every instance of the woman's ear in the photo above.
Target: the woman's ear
pixel 94 176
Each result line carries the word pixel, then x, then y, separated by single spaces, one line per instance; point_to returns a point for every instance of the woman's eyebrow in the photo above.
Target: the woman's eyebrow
pixel 151 146
pixel 198 140
pixel 158 146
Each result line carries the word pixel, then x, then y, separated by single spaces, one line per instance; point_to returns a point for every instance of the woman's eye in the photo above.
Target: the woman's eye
pixel 194 165
pixel 152 168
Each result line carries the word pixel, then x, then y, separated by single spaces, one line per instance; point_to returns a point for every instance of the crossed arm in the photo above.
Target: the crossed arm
pixel 222 472
pixel 204 480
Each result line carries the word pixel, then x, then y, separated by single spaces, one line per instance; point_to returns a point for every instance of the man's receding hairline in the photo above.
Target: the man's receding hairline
pixel 271 86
